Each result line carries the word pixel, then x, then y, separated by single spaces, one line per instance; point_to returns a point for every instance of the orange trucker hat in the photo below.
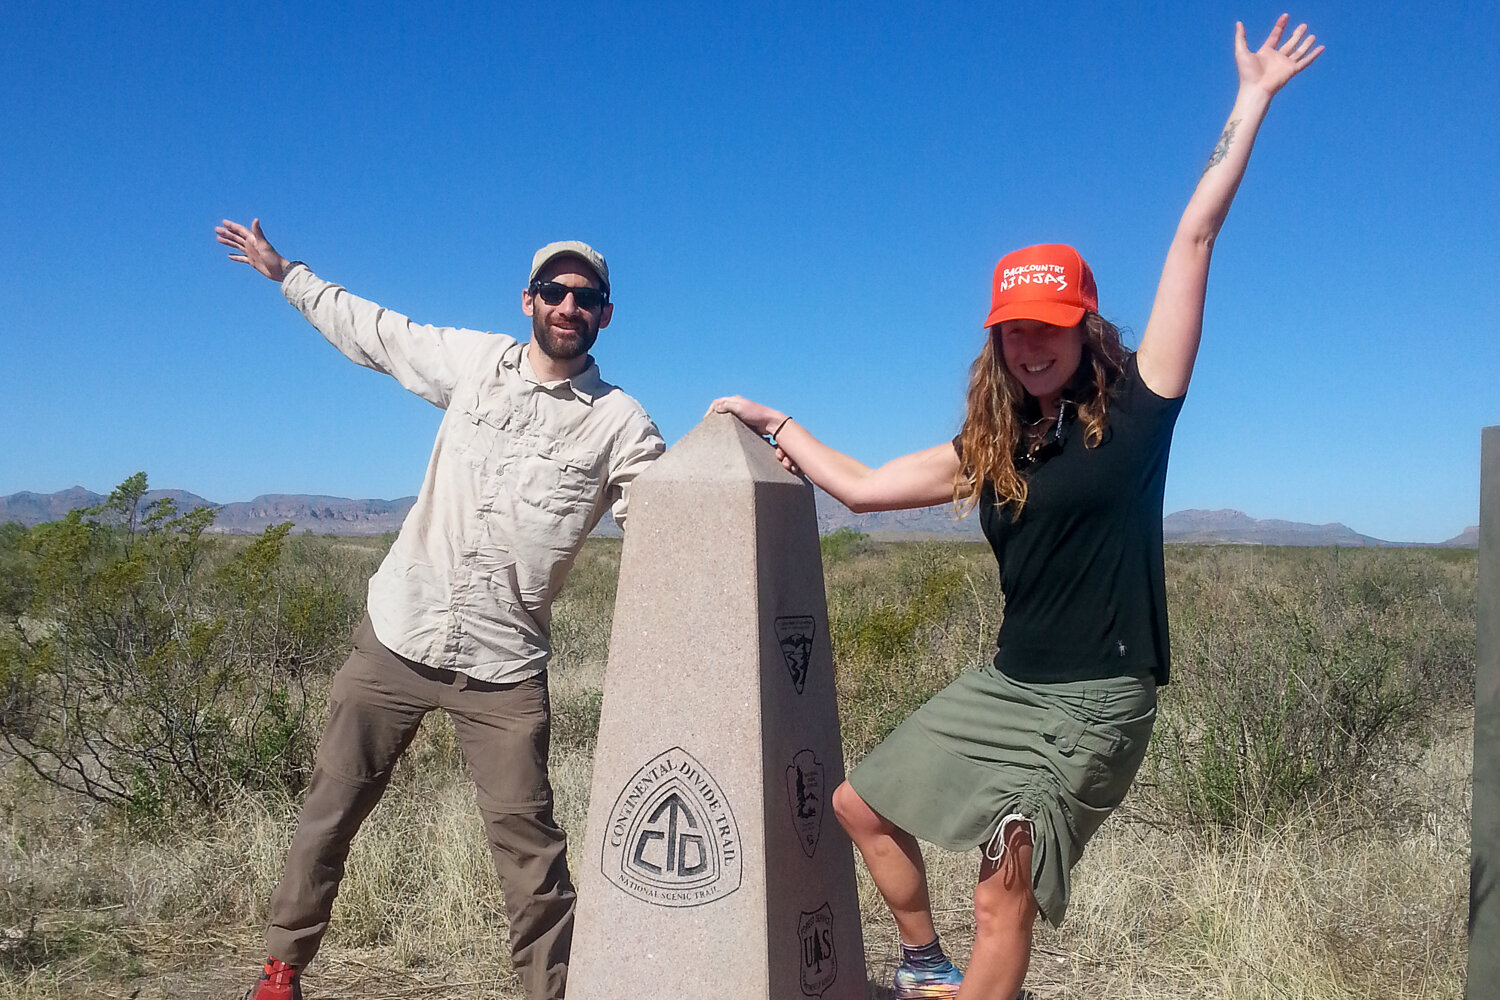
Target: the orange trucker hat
pixel 1049 282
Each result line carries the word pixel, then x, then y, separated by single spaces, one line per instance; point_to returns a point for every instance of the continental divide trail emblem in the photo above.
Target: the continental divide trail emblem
pixel 805 796
pixel 795 633
pixel 672 839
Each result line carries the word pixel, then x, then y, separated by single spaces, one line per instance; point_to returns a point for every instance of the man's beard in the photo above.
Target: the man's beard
pixel 573 348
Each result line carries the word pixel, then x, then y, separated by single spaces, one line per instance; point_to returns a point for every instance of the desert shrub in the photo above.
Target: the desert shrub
pixel 842 543
pixel 1427 601
pixel 322 584
pixel 15 574
pixel 149 665
pixel 905 619
pixel 575 719
pixel 1300 677
pixel 584 611
pixel 149 674
pixel 581 621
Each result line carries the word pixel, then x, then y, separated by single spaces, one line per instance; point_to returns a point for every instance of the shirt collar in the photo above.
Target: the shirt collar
pixel 585 386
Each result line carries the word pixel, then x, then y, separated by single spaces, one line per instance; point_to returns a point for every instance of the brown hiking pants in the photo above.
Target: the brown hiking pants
pixel 377 701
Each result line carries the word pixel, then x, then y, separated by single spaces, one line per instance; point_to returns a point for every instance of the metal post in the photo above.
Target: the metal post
pixel 1484 857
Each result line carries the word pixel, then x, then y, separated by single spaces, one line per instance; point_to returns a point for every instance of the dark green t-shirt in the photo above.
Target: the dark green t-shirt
pixel 1081 568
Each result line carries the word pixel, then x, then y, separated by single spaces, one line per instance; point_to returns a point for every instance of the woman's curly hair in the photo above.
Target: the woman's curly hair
pixel 999 408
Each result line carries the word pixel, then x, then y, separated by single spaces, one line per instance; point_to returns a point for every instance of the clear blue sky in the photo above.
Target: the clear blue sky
pixel 801 204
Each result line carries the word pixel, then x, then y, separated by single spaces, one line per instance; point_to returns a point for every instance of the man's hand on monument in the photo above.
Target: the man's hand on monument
pixel 254 249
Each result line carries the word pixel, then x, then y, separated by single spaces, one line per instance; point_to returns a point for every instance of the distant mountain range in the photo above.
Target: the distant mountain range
pixel 1230 527
pixel 340 516
pixel 318 514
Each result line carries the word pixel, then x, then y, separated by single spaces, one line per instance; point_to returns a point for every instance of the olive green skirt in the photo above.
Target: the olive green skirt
pixel 987 747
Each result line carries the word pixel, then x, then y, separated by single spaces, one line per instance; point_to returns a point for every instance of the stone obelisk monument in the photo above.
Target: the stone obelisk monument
pixel 1484 859
pixel 712 864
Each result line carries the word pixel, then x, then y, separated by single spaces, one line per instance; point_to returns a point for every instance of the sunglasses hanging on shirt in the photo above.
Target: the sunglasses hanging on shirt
pixel 1050 442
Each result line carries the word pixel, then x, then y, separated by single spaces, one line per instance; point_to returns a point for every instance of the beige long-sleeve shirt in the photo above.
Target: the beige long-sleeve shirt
pixel 521 472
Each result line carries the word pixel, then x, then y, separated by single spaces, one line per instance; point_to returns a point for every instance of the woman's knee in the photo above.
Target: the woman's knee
pixel 854 814
pixel 1003 900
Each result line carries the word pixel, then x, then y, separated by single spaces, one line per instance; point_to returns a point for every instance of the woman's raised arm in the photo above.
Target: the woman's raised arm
pixel 921 479
pixel 1170 344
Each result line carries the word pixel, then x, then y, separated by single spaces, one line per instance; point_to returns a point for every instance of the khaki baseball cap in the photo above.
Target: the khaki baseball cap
pixel 570 248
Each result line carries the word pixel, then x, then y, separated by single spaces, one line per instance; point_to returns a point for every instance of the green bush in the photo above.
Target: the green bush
pixel 1302 677
pixel 842 543
pixel 156 668
pixel 150 670
pixel 905 619
pixel 15 571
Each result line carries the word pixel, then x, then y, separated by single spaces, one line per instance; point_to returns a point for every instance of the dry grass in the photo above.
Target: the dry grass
pixel 1348 898
pixel 1299 914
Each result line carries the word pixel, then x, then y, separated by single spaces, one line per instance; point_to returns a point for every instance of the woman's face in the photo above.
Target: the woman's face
pixel 1042 357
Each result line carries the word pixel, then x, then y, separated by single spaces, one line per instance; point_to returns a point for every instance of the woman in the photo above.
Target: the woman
pixel 1064 452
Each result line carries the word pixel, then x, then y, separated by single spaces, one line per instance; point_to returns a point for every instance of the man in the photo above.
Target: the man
pixel 532 449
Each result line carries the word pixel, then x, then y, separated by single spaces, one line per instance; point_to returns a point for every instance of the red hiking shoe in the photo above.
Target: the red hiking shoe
pixel 278 981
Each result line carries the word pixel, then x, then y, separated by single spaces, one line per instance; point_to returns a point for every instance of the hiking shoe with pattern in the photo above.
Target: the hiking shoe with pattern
pixel 913 983
pixel 278 981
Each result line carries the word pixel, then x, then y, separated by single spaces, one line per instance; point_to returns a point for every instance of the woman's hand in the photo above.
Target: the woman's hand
pixel 761 419
pixel 1169 346
pixel 1275 62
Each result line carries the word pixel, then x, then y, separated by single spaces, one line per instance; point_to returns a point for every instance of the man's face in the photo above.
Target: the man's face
pixel 565 332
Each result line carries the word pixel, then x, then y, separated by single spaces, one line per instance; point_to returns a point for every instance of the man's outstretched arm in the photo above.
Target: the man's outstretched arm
pixel 428 360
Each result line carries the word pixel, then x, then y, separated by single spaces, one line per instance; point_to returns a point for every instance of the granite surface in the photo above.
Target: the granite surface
pixel 712 863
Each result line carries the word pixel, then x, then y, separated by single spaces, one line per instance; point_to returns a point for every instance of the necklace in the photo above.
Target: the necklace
pixel 1045 433
pixel 1035 432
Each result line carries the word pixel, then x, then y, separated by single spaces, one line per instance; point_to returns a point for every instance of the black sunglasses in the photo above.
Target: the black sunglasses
pixel 552 293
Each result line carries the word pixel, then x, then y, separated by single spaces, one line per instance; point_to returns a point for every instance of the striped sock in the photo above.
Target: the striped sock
pixel 928 956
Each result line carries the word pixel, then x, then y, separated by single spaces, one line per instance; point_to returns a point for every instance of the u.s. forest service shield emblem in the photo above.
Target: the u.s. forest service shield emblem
pixel 819 963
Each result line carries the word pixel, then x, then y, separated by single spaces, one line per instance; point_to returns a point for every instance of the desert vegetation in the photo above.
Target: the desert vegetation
pixel 1300 828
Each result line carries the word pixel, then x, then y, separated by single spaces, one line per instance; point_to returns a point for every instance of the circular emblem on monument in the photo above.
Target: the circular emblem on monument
pixel 672 839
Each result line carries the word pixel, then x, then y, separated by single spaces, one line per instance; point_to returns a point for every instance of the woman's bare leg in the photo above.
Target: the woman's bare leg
pixel 1004 914
pixel 895 863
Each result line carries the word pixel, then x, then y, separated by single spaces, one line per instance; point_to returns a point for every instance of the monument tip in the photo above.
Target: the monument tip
pixel 720 448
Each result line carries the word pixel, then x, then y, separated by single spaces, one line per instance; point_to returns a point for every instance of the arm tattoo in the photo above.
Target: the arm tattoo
pixel 1217 156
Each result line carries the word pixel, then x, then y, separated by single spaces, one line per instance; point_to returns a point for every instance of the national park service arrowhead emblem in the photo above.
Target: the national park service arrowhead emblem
pixel 672 839
pixel 795 633
pixel 804 792
pixel 820 965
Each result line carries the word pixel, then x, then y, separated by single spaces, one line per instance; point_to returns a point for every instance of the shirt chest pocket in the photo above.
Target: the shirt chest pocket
pixel 482 428
pixel 561 477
